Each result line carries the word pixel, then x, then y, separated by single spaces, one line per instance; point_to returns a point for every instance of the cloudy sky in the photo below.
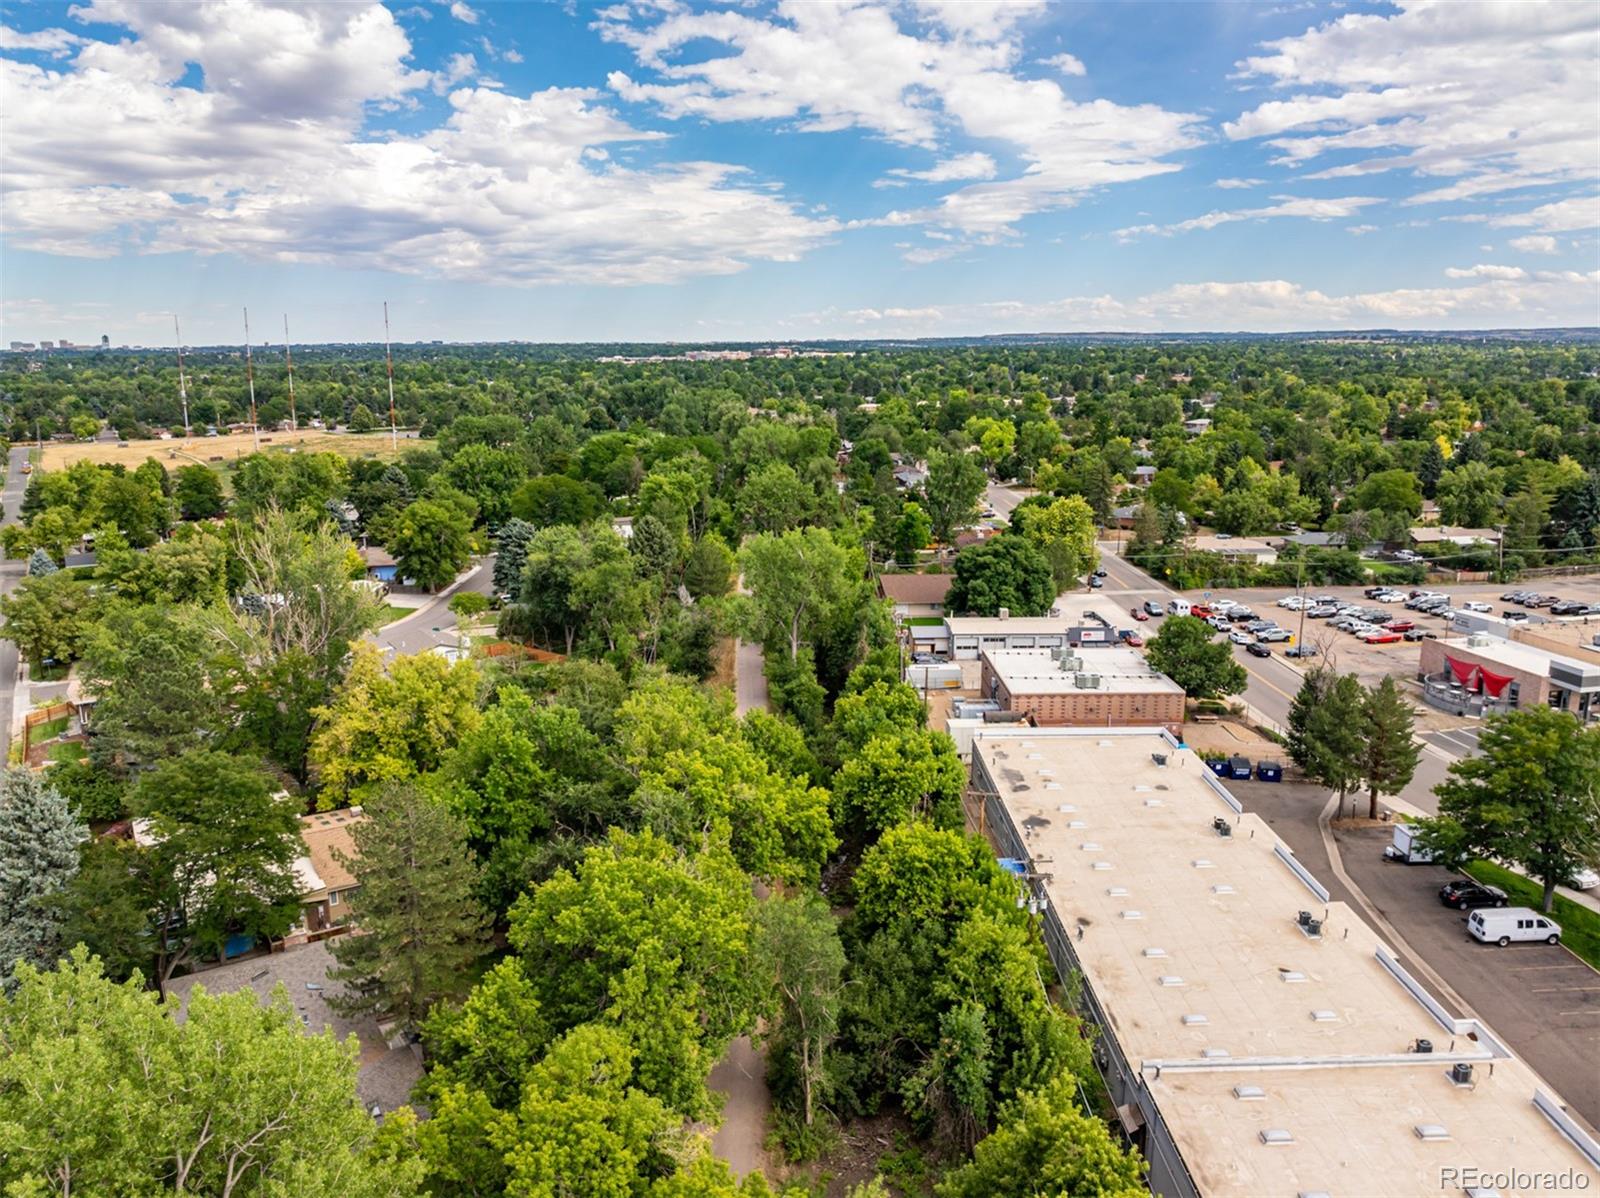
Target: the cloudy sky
pixel 655 170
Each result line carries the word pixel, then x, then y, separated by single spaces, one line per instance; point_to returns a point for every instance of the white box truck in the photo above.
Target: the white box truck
pixel 1404 847
pixel 1502 925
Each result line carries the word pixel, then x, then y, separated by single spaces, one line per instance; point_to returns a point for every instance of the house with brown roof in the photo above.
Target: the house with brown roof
pixel 323 878
pixel 915 594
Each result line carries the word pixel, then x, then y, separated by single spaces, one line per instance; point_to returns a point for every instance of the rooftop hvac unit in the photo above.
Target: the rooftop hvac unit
pixel 1478 640
pixel 1004 613
pixel 1159 758
pixel 1422 1046
pixel 1222 827
pixel 1461 1074
pixel 1311 926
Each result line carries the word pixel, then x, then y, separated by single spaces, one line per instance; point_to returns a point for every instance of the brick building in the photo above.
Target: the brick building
pixel 1097 688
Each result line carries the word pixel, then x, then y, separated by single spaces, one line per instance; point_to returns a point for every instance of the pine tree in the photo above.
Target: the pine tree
pixel 1430 468
pixel 1388 752
pixel 418 928
pixel 41 563
pixel 511 554
pixel 1325 730
pixel 38 858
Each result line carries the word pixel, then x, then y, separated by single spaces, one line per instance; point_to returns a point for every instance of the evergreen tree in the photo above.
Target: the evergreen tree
pixel 419 929
pixel 1388 752
pixel 38 858
pixel 511 555
pixel 1430 468
pixel 1325 729
pixel 41 563
pixel 654 550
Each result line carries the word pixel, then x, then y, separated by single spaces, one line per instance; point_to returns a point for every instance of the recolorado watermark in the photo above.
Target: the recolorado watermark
pixel 1536 1181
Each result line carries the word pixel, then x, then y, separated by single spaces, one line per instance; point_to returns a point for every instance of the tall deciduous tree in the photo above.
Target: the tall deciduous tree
pixel 912 530
pixel 418 926
pixel 235 1100
pixel 38 858
pixel 799 942
pixel 431 542
pixel 198 492
pixel 950 494
pixel 1388 752
pixel 1006 572
pixel 1531 797
pixel 796 580
pixel 1065 533
pixel 1184 651
pixel 1046 1145
pixel 900 776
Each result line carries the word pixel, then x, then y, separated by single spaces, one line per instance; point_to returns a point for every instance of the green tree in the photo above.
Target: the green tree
pixel 391 725
pixel 49 615
pixel 774 498
pixel 1430 468
pixel 431 542
pixel 797 580
pixel 362 420
pixel 709 568
pixel 1326 726
pixel 236 1099
pixel 1005 572
pixel 490 477
pixel 900 776
pixel 1065 532
pixel 912 532
pixel 655 551
pixel 220 858
pixel 799 942
pixel 1046 1147
pixel 198 492
pixel 41 563
pixel 1392 491
pixel 1530 797
pixel 1388 752
pixel 652 941
pixel 1469 495
pixel 954 485
pixel 511 555
pixel 875 709
pixel 556 499
pixel 38 859
pixel 1184 651
pixel 467 606
pixel 420 929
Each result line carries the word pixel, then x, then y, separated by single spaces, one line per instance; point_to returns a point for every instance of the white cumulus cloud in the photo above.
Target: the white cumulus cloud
pixel 1486 271
pixel 1286 206
pixel 464 13
pixel 1067 64
pixel 1534 244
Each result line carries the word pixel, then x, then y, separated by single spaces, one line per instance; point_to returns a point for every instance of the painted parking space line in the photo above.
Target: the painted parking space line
pixel 1565 990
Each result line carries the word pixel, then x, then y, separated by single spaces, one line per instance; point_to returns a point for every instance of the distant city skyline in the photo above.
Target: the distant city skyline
pixel 791 172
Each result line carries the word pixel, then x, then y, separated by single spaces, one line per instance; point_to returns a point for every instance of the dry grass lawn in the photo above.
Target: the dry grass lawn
pixel 218 451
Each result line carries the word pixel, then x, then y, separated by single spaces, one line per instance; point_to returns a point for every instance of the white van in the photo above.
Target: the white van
pixel 1502 925
pixel 1178 607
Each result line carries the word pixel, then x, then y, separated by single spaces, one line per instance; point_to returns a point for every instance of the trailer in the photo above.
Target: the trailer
pixel 1405 849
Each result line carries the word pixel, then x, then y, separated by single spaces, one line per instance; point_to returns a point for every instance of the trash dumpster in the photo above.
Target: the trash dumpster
pixel 1269 771
pixel 1238 768
pixel 1219 767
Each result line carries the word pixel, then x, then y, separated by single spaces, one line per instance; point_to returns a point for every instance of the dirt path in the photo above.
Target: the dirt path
pixel 742 1076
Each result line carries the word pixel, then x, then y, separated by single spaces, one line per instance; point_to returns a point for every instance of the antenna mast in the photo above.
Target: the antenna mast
pixel 288 357
pixel 388 357
pixel 250 374
pixel 183 387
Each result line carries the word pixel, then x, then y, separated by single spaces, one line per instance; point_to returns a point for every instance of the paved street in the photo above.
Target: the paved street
pixel 1002 499
pixel 10 572
pixel 434 623
pixel 749 677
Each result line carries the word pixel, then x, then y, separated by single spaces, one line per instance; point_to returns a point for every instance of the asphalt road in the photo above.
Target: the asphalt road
pixel 1003 499
pixel 1542 999
pixel 749 677
pixel 10 573
pixel 433 623
pixel 1273 683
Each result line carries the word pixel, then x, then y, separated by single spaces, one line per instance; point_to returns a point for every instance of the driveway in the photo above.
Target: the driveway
pixel 10 573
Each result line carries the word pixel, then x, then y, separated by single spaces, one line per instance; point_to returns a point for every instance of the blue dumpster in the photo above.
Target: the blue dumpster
pixel 1238 768
pixel 1269 771
pixel 1219 767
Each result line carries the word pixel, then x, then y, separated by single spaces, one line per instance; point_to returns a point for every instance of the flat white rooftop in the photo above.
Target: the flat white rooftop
pixel 1014 625
pixel 1188 942
pixel 1530 659
pixel 1038 671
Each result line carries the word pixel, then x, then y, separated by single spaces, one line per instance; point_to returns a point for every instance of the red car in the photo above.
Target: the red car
pixel 1399 625
pixel 1132 639
pixel 1200 611
pixel 1382 637
pixel 1138 613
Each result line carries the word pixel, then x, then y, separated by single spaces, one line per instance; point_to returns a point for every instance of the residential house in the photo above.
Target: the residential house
pixel 1446 534
pixel 380 563
pixel 1236 549
pixel 322 875
pixel 1197 426
pixel 915 595
pixel 1143 476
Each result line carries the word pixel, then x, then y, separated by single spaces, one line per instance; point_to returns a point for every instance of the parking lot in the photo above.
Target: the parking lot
pixel 1543 1000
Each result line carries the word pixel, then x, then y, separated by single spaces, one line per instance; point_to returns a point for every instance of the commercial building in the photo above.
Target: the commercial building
pixel 1481 674
pixel 972 636
pixel 1099 688
pixel 1256 1037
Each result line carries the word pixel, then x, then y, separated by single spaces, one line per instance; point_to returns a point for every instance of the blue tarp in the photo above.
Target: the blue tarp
pixel 1012 865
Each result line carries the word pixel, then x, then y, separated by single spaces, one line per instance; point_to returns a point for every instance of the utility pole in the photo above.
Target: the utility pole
pixel 183 386
pixel 1299 590
pixel 288 358
pixel 250 376
pixel 388 357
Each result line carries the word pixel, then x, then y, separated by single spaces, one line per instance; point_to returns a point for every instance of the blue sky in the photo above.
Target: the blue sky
pixel 789 171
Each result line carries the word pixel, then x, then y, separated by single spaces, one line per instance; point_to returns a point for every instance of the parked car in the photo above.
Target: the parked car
pixel 1464 894
pixel 1514 923
pixel 1322 612
pixel 1567 607
pixel 1131 638
pixel 1095 583
pixel 1152 608
pixel 1476 605
pixel 1513 617
pixel 1257 649
pixel 1138 613
pixel 1300 651
pixel 1260 625
pixel 1382 636
pixel 1546 601
pixel 1100 573
pixel 1419 634
pixel 1273 636
pixel 1514 596
pixel 1220 624
pixel 1292 602
pixel 1399 625
pixel 1584 879
pixel 1240 637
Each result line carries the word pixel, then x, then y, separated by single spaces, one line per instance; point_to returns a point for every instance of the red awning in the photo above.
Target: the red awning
pixel 1463 670
pixel 1495 683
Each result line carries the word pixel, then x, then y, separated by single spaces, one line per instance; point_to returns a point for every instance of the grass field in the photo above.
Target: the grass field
pixel 1580 927
pixel 206 450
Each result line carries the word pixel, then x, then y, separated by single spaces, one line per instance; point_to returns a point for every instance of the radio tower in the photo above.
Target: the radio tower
pixel 388 357
pixel 250 375
pixel 183 387
pixel 289 358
